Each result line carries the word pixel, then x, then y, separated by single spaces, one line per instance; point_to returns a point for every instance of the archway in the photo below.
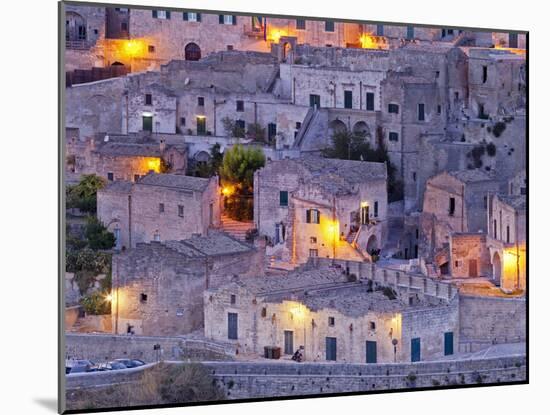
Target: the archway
pixel 361 129
pixel 287 47
pixel 497 267
pixel 192 52
pixel 337 127
pixel 117 63
pixel 372 244
pixel 75 27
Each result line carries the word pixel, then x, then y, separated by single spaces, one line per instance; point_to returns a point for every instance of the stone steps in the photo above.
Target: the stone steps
pixel 235 228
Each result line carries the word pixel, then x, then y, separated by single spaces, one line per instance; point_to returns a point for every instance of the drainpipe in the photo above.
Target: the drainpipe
pixel 130 221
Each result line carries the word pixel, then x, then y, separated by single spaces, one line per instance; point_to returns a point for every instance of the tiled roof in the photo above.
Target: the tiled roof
pixel 128 149
pixel 470 176
pixel 518 202
pixel 178 181
pixel 118 186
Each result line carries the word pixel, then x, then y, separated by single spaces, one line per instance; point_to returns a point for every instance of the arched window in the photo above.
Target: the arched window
pixel 192 52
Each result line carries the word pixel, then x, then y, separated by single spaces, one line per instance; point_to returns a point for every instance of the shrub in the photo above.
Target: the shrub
pixel 499 128
pixel 389 292
pixel 491 149
pixel 96 303
pixel 97 234
pixel 83 196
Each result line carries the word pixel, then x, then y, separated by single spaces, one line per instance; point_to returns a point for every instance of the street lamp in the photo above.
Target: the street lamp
pixel 394 342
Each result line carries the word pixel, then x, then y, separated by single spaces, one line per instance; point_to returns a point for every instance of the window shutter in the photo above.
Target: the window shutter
pixel 221 18
pixel 198 17
pixel 308 216
pixel 234 20
pixel 154 14
pixel 168 14
pixel 185 16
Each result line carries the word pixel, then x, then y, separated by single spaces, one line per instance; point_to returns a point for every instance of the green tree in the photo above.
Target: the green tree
pixel 347 145
pixel 237 174
pixel 232 129
pixel 84 194
pixel 96 303
pixel 97 234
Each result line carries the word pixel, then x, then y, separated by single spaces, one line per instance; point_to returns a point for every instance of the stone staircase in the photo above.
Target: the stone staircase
pixel 235 228
pixel 351 237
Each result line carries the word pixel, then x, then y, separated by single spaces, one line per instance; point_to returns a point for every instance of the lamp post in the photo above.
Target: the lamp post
pixel 394 342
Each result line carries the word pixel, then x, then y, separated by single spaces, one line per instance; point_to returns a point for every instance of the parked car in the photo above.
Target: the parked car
pixel 79 366
pixel 131 362
pixel 111 366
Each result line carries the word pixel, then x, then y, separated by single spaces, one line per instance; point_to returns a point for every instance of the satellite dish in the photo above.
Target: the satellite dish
pixel 186 82
pixel 106 139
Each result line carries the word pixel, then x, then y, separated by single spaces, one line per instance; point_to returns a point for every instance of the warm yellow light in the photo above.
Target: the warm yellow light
pixel 364 204
pixel 201 117
pixel 275 35
pixel 153 164
pixel 368 41
pixel 298 312
pixel 227 190
pixel 109 297
pixel 133 48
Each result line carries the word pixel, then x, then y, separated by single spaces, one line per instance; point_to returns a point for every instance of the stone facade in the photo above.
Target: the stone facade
pixel 469 256
pixel 158 287
pixel 332 318
pixel 321 207
pixel 159 207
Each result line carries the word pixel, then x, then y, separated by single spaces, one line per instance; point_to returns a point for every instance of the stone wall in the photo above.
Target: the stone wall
pixel 105 347
pixel 241 380
pixel 469 256
pixel 489 320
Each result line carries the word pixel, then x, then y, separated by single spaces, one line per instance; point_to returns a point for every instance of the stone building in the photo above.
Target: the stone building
pixel 123 157
pixel 332 317
pixel 159 207
pixel 158 286
pixel 507 240
pixel 454 202
pixel 317 207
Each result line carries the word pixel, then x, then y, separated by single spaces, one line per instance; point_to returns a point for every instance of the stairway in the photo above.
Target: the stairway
pixel 235 228
pixel 351 237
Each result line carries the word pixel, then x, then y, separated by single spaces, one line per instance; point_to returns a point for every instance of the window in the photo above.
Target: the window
pixel 182 121
pixel 507 234
pixel 329 26
pixel 136 177
pixel 228 19
pixel 312 216
pixel 240 124
pixel 439 110
pixel 192 17
pixel 451 206
pixel 513 40
pixel 148 99
pixel 233 299
pixel 457 96
pixel 201 125
pixel 523 191
pixel 330 346
pixel 495 229
pixel 151 48
pixel 264 311
pixel 485 202
pixel 110 176
pixel 289 342
pixel 372 325
pixel 410 32
pixel 200 101
pixel 448 343
pixel 283 198
pixel 143 298
pixel 348 99
pixel 370 101
pixel 313 253
pixel 414 176
pixel 312 240
pixel 481 111
pixel 393 136
pixel 180 211
pixel 436 74
pixel 331 321
pixel 379 30
pixel 161 14
pixel 232 329
pixel 484 74
pixel 364 215
pixel 156 236
pixel 314 101
pixel 229 47
pixel 161 207
pixel 421 115
pixel 240 105
pixel 300 24
pixel 376 209
pixel 271 131
pixel 298 125
pixel 416 233
pixel 393 108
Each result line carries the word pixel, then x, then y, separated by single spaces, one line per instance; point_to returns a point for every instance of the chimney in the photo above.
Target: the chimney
pixel 162 146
